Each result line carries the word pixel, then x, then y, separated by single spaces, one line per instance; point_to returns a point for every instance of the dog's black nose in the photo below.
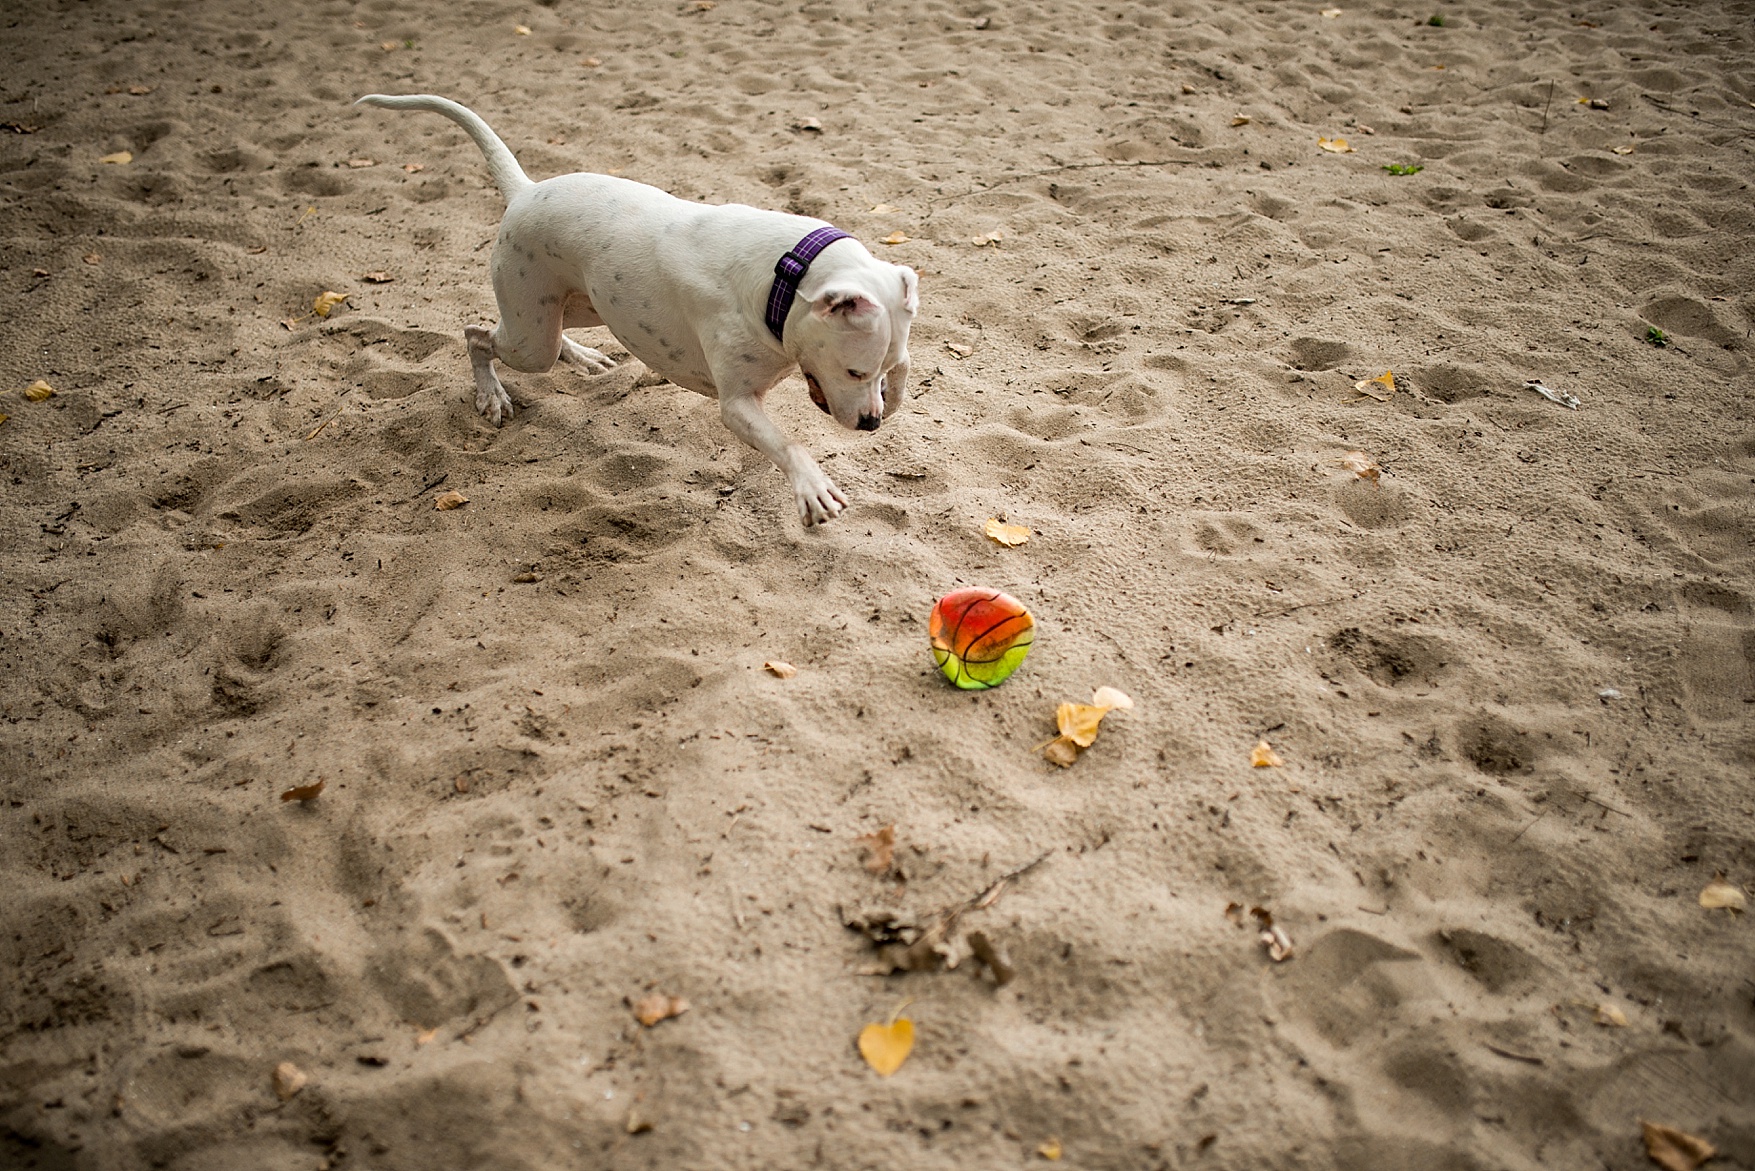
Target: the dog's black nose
pixel 870 422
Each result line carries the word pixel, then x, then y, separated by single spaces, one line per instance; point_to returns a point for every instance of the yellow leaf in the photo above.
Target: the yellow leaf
pixel 1050 1150
pixel 3 418
pixel 896 237
pixel 39 390
pixel 1078 721
pixel 1361 465
pixel 446 501
pixel 886 1047
pixel 1623 150
pixel 1005 534
pixel 1263 756
pixel 326 302
pixel 1611 1017
pixel 522 30
pixel 1335 145
pixel 121 158
pixel 1674 1150
pixel 1720 894
pixel 1379 388
pixel 780 668
pixel 1241 120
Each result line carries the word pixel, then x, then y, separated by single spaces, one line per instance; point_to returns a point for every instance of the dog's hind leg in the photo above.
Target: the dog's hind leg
pixel 577 313
pixel 528 339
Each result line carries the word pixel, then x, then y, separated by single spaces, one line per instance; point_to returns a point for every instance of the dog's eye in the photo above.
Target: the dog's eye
pixel 856 376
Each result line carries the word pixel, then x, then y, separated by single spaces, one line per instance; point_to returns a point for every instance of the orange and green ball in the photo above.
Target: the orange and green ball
pixel 980 636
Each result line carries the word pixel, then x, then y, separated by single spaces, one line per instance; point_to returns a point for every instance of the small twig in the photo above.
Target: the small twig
pixel 430 485
pixel 1523 1057
pixel 991 895
pixel 1526 829
pixel 1601 804
pixel 1549 102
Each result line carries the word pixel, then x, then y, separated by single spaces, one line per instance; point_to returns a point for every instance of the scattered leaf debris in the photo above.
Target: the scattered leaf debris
pixel 1610 1017
pixel 1719 894
pixel 289 1079
pixel 1379 388
pixel 993 238
pixel 1337 146
pixel 377 278
pixel 992 958
pixel 922 943
pixel 1241 120
pixel 780 668
pixel 446 501
pixel 1051 1150
pixel 1271 934
pixel 1264 756
pixel 655 1007
pixel 326 302
pixel 304 792
pixel 120 159
pixel 1078 724
pixel 880 849
pixel 1006 534
pixel 883 209
pixel 1675 1150
pixel 1564 397
pixel 1594 103
pixel 896 237
pixel 1361 465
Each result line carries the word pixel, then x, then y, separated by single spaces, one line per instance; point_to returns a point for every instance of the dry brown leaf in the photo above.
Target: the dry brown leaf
pixel 1379 388
pixel 358 164
pixel 1335 146
pixel 1623 150
pixel 1594 103
pixel 886 1047
pixel 326 302
pixel 388 46
pixel 289 1079
pixel 993 237
pixel 959 351
pixel 1061 751
pixel 1241 120
pixel 1273 936
pixel 446 501
pixel 140 91
pixel 896 237
pixel 377 278
pixel 1719 894
pixel 1050 1150
pixel 1675 1150
pixel 649 1010
pixel 1263 756
pixel 522 30
pixel 780 668
pixel 425 1036
pixel 414 168
pixel 880 849
pixel 591 62
pixel 1361 465
pixel 304 792
pixel 883 209
pixel 120 159
pixel 1007 535
pixel 1189 89
pixel 1611 1017
pixel 92 258
pixel 813 125
pixel 4 417
pixel 39 391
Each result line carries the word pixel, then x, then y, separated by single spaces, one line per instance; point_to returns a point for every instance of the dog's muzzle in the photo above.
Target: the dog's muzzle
pixel 816 394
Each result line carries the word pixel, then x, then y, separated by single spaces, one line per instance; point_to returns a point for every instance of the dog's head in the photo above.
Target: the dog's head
pixel 852 344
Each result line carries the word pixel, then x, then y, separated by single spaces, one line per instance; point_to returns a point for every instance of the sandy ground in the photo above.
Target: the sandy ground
pixel 1510 681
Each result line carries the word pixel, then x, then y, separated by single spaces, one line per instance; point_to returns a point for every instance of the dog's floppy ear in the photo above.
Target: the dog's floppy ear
pixel 910 290
pixel 849 305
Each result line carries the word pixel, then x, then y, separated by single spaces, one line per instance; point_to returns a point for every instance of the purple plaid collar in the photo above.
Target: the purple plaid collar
pixel 790 270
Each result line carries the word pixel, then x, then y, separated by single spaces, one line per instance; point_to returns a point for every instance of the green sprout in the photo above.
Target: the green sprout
pixel 1656 336
pixel 1403 168
pixel 1435 20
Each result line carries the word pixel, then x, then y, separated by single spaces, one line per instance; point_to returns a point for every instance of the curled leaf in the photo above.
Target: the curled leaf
pixel 1331 13
pixel 120 159
pixel 780 668
pixel 39 391
pixel 522 30
pixel 446 501
pixel 1623 150
pixel 1594 103
pixel 649 1010
pixel 376 278
pixel 1241 120
pixel 1263 756
pixel 1050 1150
pixel 1335 146
pixel 1719 894
pixel 1061 751
pixel 1610 1017
pixel 1008 535
pixel 896 237
pixel 414 168
pixel 1078 721
pixel 326 303
pixel 304 792
pixel 993 237
pixel 886 1047
pixel 1379 388
pixel 883 209
pixel 1361 465
pixel 1675 1150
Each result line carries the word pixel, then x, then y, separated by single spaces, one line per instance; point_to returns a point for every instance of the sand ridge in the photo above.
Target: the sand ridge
pixel 1511 680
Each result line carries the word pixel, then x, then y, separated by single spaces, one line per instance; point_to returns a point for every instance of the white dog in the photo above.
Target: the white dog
pixel 723 300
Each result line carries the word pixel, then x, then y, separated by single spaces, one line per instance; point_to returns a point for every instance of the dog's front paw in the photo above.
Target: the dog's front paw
pixel 819 501
pixel 494 404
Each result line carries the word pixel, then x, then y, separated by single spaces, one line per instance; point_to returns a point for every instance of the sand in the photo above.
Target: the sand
pixel 1510 681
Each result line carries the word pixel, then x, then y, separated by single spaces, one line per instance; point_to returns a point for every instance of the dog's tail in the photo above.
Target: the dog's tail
pixel 507 174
